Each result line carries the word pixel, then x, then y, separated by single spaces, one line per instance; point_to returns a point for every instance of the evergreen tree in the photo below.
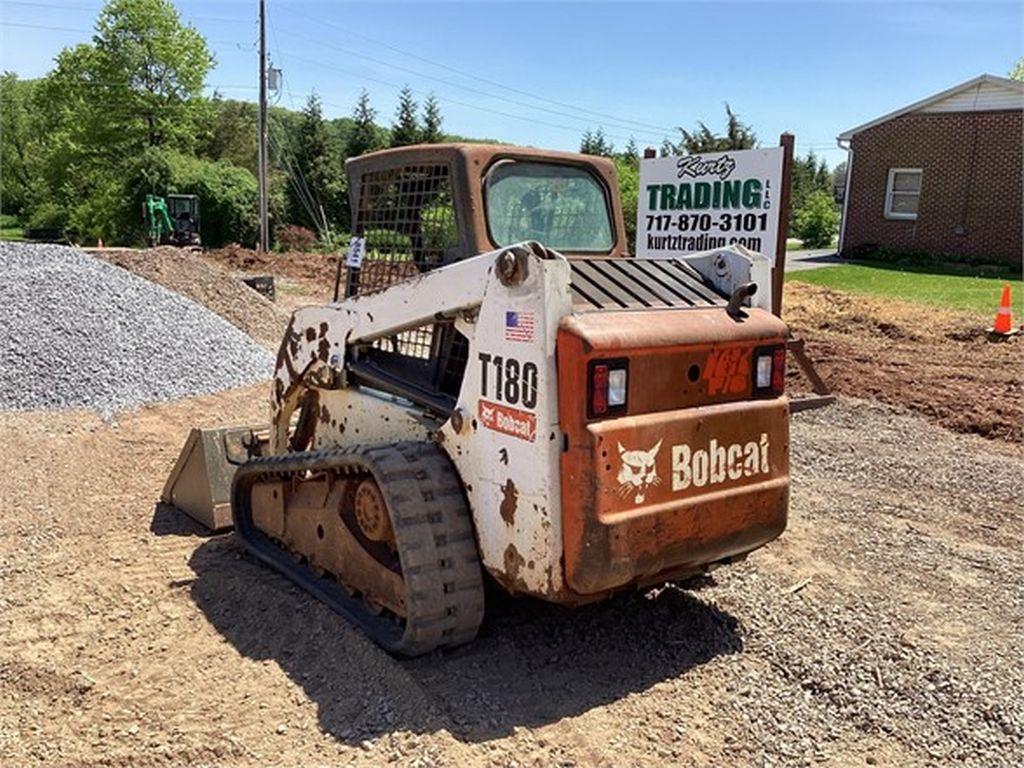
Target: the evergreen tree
pixel 595 143
pixel 631 153
pixel 432 120
pixel 364 136
pixel 406 128
pixel 738 135
pixel 318 178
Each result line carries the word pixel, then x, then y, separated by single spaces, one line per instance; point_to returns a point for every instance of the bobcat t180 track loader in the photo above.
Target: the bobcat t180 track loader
pixel 499 387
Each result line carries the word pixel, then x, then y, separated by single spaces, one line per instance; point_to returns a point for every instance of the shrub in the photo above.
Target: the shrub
pixel 817 221
pixel 387 241
pixel 48 216
pixel 295 238
pixel 228 199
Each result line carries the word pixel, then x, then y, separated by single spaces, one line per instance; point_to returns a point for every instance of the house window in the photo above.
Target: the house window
pixel 902 193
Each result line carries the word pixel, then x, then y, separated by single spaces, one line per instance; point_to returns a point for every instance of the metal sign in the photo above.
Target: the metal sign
pixel 701 202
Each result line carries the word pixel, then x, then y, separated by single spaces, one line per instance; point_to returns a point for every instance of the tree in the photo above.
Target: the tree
pixel 595 143
pixel 817 220
pixel 136 87
pixel 810 175
pixel 363 136
pixel 143 74
pixel 229 133
pixel 317 176
pixel 631 153
pixel 406 128
pixel 627 173
pixel 738 135
pixel 1017 73
pixel 839 182
pixel 20 144
pixel 432 120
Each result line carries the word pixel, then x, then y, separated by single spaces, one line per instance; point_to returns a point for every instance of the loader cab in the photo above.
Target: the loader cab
pixel 184 213
pixel 425 206
pixel 421 207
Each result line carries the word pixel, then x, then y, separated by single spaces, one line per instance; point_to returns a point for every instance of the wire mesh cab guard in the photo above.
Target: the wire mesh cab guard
pixel 406 212
pixel 420 208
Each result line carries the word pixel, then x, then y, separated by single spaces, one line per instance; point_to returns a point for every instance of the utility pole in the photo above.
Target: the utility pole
pixel 264 223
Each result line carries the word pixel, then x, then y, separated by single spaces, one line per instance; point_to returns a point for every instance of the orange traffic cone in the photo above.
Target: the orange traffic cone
pixel 1003 325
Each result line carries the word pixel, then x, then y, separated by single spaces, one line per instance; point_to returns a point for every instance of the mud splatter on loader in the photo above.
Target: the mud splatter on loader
pixel 502 389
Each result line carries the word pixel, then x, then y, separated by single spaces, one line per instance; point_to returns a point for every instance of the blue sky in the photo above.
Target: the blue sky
pixel 542 73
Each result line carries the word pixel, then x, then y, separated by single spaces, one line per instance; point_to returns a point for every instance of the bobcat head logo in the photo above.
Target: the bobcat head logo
pixel 638 472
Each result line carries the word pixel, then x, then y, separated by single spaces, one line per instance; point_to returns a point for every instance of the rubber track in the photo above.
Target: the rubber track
pixel 433 531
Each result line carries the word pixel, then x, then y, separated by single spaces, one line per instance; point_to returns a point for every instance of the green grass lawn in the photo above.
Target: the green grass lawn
pixel 931 284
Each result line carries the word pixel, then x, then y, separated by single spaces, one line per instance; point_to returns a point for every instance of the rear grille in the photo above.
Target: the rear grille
pixel 632 283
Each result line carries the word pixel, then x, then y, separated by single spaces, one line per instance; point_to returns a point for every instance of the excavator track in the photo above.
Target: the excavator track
pixel 429 530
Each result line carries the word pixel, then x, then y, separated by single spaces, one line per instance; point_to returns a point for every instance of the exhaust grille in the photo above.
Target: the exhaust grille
pixel 634 283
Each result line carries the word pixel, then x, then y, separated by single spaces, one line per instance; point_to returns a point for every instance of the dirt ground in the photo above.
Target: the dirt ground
pixel 937 363
pixel 882 628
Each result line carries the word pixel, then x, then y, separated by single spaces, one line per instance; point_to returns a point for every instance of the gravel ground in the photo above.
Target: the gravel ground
pixel 883 628
pixel 81 333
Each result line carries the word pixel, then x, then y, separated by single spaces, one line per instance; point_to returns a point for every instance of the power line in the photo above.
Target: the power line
pixel 618 125
pixel 657 128
pixel 573 128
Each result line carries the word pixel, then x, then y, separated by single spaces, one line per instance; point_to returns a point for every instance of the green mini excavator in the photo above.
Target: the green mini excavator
pixel 173 220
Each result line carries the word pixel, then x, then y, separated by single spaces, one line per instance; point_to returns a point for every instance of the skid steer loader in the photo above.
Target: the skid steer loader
pixel 499 388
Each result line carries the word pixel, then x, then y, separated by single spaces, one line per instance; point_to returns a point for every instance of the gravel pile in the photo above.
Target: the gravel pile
pixel 208 285
pixel 81 333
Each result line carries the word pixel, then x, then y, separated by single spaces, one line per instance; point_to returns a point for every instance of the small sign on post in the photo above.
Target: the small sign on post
pixel 713 200
pixel 356 249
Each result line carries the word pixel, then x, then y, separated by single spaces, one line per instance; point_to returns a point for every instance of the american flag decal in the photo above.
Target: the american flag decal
pixel 519 326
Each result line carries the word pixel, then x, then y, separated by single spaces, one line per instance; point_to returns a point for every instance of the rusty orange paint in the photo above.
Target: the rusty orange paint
pixel 728 370
pixel 690 474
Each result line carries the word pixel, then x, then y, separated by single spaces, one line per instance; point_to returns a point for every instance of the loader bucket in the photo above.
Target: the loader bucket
pixel 200 483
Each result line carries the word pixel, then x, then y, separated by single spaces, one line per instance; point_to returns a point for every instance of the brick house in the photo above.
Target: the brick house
pixel 943 175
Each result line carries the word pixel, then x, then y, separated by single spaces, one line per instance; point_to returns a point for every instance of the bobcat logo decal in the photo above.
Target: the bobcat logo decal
pixel 638 472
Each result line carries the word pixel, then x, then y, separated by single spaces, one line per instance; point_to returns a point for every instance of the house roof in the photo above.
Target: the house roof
pixel 1001 93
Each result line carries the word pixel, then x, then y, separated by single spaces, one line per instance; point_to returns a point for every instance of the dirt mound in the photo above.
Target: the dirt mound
pixel 314 270
pixel 932 361
pixel 185 273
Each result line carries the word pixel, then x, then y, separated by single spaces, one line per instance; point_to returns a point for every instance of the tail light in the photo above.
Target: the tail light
pixel 608 382
pixel 770 371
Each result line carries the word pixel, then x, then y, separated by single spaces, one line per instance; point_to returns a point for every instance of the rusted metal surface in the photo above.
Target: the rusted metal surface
pixel 695 471
pixel 822 393
pixel 468 163
pixel 200 482
pixel 318 519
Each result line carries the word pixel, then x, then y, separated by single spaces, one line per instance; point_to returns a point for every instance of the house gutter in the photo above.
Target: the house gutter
pixel 848 146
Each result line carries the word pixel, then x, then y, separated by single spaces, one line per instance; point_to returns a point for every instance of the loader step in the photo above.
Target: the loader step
pixel 443 598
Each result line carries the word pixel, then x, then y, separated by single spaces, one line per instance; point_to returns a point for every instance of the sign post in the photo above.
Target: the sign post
pixel 779 273
pixel 712 200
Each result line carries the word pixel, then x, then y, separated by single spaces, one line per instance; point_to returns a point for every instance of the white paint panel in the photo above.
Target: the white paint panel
pixel 514 483
pixel 983 97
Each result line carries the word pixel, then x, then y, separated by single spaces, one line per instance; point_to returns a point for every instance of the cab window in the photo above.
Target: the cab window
pixel 560 206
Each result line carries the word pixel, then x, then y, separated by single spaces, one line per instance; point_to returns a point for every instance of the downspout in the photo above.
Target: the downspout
pixel 846 189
